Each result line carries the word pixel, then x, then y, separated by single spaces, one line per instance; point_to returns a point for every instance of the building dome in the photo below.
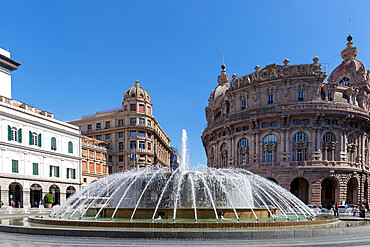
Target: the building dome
pixel 137 92
pixel 223 84
pixel 350 70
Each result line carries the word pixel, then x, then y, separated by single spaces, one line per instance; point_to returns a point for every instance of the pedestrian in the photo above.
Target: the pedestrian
pixel 1 204
pixel 13 204
pixel 18 204
pixel 362 210
pixel 354 210
pixel 336 210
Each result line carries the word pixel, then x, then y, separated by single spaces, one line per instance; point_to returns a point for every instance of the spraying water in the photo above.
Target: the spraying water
pixel 222 193
pixel 184 152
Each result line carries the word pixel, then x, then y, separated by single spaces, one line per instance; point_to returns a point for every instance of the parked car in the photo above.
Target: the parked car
pixel 342 208
pixel 315 206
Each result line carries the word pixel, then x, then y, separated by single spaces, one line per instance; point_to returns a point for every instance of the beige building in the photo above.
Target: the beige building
pixel 286 124
pixel 133 136
pixel 94 160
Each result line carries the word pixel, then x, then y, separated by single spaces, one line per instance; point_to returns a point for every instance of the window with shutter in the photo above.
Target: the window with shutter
pixel 57 175
pixel 15 166
pixel 74 173
pixel 35 169
pixel 51 171
pixel 31 138
pixel 53 143
pixel 67 172
pixel 39 140
pixel 20 135
pixel 70 147
pixel 9 133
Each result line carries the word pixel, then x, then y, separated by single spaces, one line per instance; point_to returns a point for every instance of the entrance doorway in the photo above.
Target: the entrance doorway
pixel 329 192
pixel 35 195
pixel 299 188
pixel 70 191
pixel 352 191
pixel 16 194
pixel 55 191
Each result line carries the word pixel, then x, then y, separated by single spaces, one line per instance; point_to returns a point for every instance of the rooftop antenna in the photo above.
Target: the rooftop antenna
pixel 350 26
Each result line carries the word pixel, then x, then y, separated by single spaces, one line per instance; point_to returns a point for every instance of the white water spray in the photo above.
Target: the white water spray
pixel 184 152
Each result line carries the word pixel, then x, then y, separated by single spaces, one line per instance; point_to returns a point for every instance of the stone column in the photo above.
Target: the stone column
pixel 315 191
pixel 258 148
pixel 283 141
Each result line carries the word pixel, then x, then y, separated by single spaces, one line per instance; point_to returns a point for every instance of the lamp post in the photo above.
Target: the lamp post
pixel 134 155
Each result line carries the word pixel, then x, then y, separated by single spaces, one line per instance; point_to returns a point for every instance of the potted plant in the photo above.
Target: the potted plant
pixel 48 200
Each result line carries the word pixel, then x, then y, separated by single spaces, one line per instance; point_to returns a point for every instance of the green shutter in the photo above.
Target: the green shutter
pixel 39 140
pixel 35 169
pixel 31 138
pixel 51 171
pixel 67 172
pixel 53 143
pixel 15 166
pixel 57 167
pixel 70 147
pixel 74 173
pixel 9 133
pixel 20 135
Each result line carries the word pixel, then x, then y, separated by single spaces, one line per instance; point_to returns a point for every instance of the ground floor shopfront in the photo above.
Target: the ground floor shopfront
pixel 31 193
pixel 321 186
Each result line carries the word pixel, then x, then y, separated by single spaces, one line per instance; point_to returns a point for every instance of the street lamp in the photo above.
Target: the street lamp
pixel 134 155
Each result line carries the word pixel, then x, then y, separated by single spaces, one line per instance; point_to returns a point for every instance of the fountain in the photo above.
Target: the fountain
pixel 25 210
pixel 9 210
pixel 183 195
pixel 41 209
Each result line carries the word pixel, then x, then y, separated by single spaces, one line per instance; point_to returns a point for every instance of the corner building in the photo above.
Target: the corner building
pixel 286 124
pixel 134 137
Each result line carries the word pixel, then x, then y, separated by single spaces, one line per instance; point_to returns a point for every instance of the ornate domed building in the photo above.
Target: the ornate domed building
pixel 285 123
pixel 134 137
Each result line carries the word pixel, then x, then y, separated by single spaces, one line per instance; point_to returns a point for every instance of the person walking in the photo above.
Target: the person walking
pixel 336 210
pixel 362 210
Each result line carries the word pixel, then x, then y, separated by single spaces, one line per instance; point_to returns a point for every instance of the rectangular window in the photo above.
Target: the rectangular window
pixel 110 159
pixel 98 168
pixel 327 121
pixel 305 121
pixel 141 134
pixel 132 107
pixel 269 156
pixel 120 145
pixel 141 121
pixel 133 145
pixel 299 155
pixel 141 145
pixel 149 123
pixel 296 122
pixel 120 158
pixel 54 171
pixel 300 95
pixel 98 126
pixel 71 173
pixel 35 168
pixel 245 128
pixel 98 138
pixel 132 121
pixel 132 133
pixel 91 167
pixel 270 99
pixel 125 107
pixel 274 124
pixel 149 146
pixel 104 169
pixel 84 166
pixel 238 129
pixel 330 96
pixel 89 127
pixel 120 122
pixel 15 166
pixel 107 124
pixel 141 108
pixel 149 111
pixel 107 137
pixel 265 125
pixel 120 135
pixel 243 104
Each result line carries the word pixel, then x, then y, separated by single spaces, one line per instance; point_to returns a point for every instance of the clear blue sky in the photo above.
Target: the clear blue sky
pixel 79 57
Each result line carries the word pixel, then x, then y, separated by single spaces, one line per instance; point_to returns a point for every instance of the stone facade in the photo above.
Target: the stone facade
pixel 285 123
pixel 94 160
pixel 134 137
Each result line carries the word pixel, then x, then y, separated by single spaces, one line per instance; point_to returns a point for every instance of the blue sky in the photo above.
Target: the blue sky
pixel 79 57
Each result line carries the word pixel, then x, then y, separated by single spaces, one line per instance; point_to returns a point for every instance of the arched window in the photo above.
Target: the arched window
pixel 243 151
pixel 70 147
pixel 329 144
pixel 345 81
pixel 351 148
pixel 223 155
pixel 300 145
pixel 269 149
pixel 53 143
